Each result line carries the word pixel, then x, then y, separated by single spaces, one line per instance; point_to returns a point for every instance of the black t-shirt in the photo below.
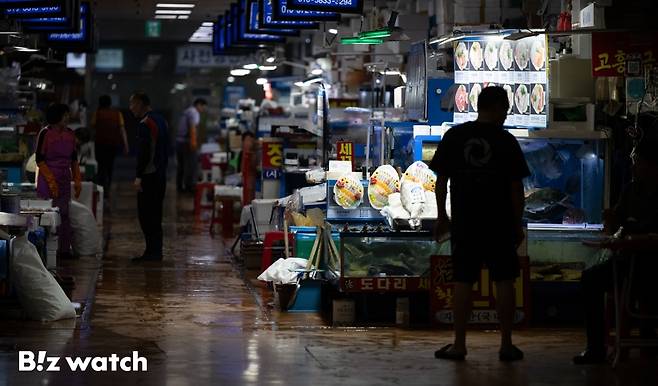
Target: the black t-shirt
pixel 481 160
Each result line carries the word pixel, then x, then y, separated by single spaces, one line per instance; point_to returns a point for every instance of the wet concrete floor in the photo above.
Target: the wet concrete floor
pixel 198 323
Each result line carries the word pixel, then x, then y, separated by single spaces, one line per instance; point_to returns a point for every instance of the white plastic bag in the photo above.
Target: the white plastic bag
pixel 413 197
pixel 85 238
pixel 38 291
pixel 430 209
pixel 282 271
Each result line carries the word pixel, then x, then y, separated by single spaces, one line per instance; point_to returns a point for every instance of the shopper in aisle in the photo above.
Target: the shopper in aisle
pixel 57 159
pixel 151 179
pixel 248 166
pixel 634 224
pixel 187 143
pixel 110 129
pixel 485 166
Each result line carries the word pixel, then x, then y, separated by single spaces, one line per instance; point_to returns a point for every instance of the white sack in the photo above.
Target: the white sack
pixel 85 238
pixel 282 271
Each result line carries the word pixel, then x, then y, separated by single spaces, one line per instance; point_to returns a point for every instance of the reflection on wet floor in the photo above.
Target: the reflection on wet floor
pixel 197 322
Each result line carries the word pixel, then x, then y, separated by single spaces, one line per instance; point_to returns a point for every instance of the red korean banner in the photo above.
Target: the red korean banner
pixel 442 294
pixel 272 155
pixel 385 284
pixel 611 50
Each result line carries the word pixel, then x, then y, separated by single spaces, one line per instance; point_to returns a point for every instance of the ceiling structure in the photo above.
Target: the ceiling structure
pixel 124 20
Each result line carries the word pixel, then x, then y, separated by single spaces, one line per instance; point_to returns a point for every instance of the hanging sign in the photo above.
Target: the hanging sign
pixel 345 151
pixel 611 51
pixel 343 6
pixel 272 155
pixel 268 20
pixel 253 23
pixel 281 11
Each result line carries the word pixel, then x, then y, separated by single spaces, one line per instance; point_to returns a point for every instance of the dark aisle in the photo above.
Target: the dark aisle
pixel 197 323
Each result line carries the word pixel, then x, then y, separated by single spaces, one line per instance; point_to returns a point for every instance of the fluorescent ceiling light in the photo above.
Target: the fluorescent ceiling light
pixel 316 71
pixel 207 24
pixel 333 31
pixel 267 68
pixel 165 16
pixel 240 72
pixel 251 66
pixel 174 5
pixel 261 81
pixel 25 49
pixel 183 17
pixel 172 12
pixel 230 79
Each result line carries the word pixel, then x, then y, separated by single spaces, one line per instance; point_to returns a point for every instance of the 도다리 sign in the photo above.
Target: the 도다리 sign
pixel 342 6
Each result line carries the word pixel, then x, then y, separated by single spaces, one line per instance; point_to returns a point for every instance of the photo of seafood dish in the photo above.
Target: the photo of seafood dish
pixel 461 99
pixel 510 97
pixel 475 55
pixel 476 89
pixel 537 98
pixel 522 98
pixel 461 55
pixel 505 54
pixel 491 55
pixel 538 53
pixel 521 55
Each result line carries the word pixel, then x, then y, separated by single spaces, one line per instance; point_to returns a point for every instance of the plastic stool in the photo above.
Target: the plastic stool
pixel 268 244
pixel 227 218
pixel 199 190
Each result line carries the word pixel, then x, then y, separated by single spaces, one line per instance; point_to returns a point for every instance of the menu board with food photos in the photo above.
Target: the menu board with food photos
pixel 520 67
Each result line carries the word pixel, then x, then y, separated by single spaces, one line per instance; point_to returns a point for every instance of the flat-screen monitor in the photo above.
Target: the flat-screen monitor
pixel 52 8
pixel 342 6
pixel 268 20
pixel 243 35
pixel 79 41
pixel 253 23
pixel 109 59
pixel 281 11
pixel 67 23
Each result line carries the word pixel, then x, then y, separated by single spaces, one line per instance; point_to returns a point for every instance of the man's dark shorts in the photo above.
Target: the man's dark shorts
pixel 469 256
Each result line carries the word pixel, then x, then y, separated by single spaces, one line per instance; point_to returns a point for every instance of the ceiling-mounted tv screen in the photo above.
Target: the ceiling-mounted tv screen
pixel 281 11
pixel 69 23
pixel 239 19
pixel 55 8
pixel 267 20
pixel 342 6
pixel 79 41
pixel 253 23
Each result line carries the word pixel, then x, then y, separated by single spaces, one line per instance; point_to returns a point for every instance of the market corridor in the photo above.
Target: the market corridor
pixel 196 322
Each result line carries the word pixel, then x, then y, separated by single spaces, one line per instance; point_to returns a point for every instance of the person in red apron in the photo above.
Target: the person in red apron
pixel 57 159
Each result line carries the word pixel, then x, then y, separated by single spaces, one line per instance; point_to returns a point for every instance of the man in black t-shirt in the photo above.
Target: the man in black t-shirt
pixel 485 166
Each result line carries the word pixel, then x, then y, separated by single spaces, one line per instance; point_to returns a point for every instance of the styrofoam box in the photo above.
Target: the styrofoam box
pixel 263 209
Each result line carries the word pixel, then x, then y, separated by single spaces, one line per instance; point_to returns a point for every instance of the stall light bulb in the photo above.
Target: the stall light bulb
pixel 240 72
pixel 316 71
pixel 230 79
pixel 333 31
pixel 271 59
pixel 267 68
pixel 299 84
pixel 251 66
pixel 261 81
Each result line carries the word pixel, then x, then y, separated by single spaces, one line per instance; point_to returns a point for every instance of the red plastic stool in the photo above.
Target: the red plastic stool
pixel 268 243
pixel 199 191
pixel 227 218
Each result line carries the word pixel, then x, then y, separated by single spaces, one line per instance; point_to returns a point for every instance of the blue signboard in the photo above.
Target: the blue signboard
pixel 343 6
pixel 268 20
pixel 68 23
pixel 281 11
pixel 50 9
pixel 240 19
pixel 253 23
pixel 81 40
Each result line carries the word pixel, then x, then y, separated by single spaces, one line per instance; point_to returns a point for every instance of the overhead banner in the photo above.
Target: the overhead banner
pixel 268 20
pixel 36 9
pixel 82 40
pixel 70 22
pixel 517 66
pixel 253 23
pixel 281 11
pixel 342 6
pixel 612 50
pixel 239 27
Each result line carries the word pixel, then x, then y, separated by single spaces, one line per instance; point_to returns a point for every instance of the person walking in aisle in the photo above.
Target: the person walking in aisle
pixel 110 130
pixel 485 166
pixel 186 146
pixel 57 159
pixel 151 178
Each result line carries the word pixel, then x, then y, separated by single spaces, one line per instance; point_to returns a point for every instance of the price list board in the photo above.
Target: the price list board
pixel 519 67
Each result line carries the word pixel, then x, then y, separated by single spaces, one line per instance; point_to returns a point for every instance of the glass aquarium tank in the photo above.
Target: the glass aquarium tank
pixel 565 197
pixel 397 254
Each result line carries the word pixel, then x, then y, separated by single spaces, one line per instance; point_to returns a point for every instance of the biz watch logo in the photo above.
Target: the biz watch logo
pixel 28 361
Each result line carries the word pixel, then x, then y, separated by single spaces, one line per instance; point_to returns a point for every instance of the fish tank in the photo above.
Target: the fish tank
pixel 385 254
pixel 565 197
